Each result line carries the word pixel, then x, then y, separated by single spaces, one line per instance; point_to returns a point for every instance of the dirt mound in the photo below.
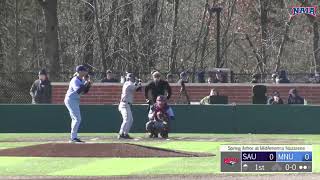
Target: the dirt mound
pixel 95 150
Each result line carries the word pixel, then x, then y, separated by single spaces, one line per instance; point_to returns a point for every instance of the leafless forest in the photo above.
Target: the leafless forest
pixel 256 36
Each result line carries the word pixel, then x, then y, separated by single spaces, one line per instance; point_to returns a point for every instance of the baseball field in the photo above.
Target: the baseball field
pixel 197 156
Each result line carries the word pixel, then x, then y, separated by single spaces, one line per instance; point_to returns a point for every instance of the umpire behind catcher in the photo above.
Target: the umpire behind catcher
pixel 156 88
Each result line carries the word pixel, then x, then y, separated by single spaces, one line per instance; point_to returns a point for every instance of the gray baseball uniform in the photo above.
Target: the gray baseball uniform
pixel 124 107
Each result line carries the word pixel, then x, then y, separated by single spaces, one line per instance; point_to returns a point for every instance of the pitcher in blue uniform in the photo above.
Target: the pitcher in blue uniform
pixel 79 85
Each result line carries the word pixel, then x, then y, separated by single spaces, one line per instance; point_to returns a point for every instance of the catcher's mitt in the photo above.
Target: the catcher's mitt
pixel 162 116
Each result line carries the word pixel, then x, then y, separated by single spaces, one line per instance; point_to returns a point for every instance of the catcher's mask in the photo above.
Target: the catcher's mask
pixel 161 100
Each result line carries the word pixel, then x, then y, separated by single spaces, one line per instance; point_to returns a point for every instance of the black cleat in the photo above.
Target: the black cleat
pixel 126 136
pixel 121 136
pixel 164 135
pixel 153 135
pixel 76 140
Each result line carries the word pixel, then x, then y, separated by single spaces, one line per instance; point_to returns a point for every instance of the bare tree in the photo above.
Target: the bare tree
pixel 205 39
pixel 133 35
pixel 316 36
pixel 100 32
pixel 284 39
pixel 257 56
pixel 51 36
pixel 2 56
pixel 264 31
pixel 198 41
pixel 17 37
pixel 109 61
pixel 316 41
pixel 129 51
pixel 2 35
pixel 147 35
pixel 226 43
pixel 88 33
pixel 173 54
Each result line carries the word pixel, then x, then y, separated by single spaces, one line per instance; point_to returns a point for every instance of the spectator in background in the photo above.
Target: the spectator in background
pixel 211 77
pixel 311 78
pixel 41 89
pixel 274 78
pixel 294 97
pixel 183 95
pixel 215 77
pixel 283 77
pixel 200 76
pixel 109 77
pixel 314 78
pixel 183 78
pixel 220 77
pixel 206 100
pixel 275 99
pixel 255 78
pixel 170 78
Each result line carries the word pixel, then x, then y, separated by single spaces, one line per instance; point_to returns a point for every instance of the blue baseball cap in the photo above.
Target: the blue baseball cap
pixel 81 68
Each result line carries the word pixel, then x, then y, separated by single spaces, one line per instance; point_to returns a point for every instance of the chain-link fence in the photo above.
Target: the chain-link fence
pixel 15 87
pixel 267 78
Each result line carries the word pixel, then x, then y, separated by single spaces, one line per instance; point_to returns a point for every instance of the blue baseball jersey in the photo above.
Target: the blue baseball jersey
pixel 75 85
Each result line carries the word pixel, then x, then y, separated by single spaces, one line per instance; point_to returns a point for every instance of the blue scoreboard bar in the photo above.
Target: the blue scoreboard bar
pixel 294 156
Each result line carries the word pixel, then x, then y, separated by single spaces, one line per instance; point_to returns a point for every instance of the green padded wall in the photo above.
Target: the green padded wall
pixel 277 119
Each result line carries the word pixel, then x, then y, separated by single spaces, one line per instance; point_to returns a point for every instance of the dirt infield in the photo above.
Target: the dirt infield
pixel 95 150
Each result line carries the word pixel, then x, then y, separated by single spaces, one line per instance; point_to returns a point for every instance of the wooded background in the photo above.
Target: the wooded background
pixel 257 36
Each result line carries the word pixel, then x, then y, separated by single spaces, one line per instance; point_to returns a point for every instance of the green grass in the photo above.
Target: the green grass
pixel 15 166
pixel 6 145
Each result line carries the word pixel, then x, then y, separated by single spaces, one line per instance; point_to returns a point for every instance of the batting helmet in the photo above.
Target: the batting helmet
pixel 130 76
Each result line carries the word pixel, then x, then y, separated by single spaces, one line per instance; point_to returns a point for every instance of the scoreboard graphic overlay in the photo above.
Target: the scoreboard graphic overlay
pixel 266 158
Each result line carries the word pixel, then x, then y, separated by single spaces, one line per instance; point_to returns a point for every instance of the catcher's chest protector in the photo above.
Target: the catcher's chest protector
pixel 162 110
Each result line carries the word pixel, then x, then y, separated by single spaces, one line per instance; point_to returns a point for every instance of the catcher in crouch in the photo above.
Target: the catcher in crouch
pixel 160 115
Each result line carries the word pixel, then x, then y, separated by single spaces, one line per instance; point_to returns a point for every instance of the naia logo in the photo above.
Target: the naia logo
pixel 231 160
pixel 312 10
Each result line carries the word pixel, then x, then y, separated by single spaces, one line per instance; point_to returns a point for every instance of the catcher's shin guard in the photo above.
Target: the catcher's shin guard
pixel 164 134
pixel 150 126
pixel 165 131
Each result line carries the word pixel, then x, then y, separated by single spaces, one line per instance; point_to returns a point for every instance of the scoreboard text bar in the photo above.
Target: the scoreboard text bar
pixel 266 158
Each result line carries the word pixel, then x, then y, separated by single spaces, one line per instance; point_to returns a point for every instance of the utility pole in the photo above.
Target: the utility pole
pixel 217 10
